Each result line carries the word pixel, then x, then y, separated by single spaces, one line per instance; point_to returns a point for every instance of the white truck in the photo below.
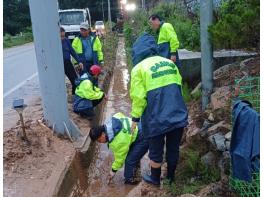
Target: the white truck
pixel 71 19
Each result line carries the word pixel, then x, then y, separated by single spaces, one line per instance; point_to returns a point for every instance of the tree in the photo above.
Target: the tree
pixel 238 25
pixel 16 16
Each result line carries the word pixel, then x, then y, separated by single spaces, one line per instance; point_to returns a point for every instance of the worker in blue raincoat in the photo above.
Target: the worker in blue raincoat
pixel 168 42
pixel 158 102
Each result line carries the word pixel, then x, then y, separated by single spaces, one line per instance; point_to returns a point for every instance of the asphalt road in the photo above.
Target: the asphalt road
pixel 19 74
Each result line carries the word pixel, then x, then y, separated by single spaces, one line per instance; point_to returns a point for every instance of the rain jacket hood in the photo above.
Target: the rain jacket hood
pixel 145 46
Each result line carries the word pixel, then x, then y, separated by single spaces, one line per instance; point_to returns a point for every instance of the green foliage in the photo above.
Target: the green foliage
pixel 238 25
pixel 186 91
pixel 187 30
pixel 16 16
pixel 197 95
pixel 192 174
pixel 191 187
pixel 110 43
pixel 25 37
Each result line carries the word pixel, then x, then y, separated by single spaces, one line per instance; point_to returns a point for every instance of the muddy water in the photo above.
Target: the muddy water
pixel 95 177
pixel 118 101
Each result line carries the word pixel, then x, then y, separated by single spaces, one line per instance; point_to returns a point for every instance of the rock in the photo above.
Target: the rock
pixel 223 76
pixel 211 140
pixel 187 195
pixel 192 132
pixel 218 141
pixel 221 97
pixel 244 63
pixel 212 189
pixel 228 136
pixel 208 159
pixel 204 128
pixel 211 117
pixel 227 145
pixel 219 127
pixel 222 70
pixel 206 125
pixel 226 155
pixel 224 164
pixel 147 190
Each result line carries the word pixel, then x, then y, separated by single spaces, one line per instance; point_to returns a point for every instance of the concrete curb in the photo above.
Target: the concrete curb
pixel 62 188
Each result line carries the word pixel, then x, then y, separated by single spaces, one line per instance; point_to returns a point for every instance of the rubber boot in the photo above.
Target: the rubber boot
pixel 154 178
pixel 131 181
pixel 170 173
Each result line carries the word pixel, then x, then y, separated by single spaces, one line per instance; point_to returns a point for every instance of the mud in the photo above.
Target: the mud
pixel 38 168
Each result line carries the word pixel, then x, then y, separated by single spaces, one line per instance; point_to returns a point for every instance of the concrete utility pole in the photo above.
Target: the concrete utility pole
pixel 102 10
pixel 109 14
pixel 45 24
pixel 143 4
pixel 206 19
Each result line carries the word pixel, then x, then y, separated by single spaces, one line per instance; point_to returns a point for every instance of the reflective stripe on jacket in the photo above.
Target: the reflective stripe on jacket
pixel 96 45
pixel 120 138
pixel 86 89
pixel 156 96
pixel 168 42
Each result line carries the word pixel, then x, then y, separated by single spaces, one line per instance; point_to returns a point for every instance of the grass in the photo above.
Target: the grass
pixel 10 41
pixel 110 44
pixel 197 95
pixel 186 91
pixel 191 174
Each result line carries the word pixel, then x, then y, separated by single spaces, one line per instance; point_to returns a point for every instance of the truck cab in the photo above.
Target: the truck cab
pixel 71 19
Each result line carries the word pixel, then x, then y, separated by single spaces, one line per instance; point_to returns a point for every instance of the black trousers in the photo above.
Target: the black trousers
pixel 90 112
pixel 96 102
pixel 71 74
pixel 136 152
pixel 86 67
pixel 156 147
pixel 178 62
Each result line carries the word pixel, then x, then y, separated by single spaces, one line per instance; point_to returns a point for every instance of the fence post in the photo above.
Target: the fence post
pixel 206 19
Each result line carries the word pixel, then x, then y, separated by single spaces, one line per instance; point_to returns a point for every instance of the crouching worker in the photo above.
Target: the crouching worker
pixel 128 147
pixel 87 94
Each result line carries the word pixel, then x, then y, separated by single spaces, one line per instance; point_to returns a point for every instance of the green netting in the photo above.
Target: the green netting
pixel 249 90
pixel 246 188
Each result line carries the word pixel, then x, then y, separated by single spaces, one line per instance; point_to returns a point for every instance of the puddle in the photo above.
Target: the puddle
pixel 91 180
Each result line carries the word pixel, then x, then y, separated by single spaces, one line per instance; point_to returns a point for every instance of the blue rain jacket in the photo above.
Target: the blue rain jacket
pixel 245 141
pixel 155 90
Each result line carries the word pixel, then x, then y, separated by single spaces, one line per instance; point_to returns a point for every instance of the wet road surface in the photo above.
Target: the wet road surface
pixel 20 79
